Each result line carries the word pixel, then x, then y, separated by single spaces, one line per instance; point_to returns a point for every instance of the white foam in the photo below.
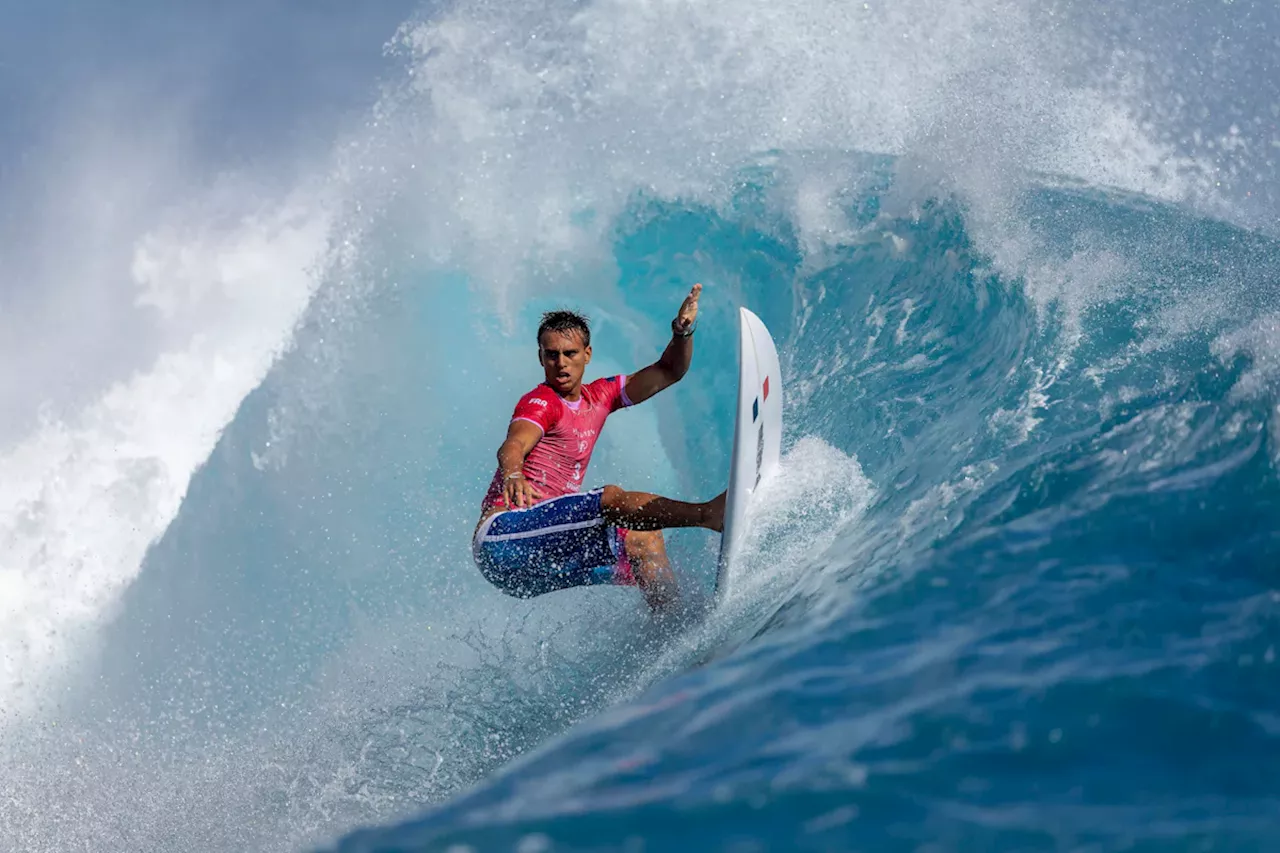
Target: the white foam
pixel 796 515
pixel 550 117
pixel 934 507
pixel 1259 341
pixel 814 498
pixel 83 497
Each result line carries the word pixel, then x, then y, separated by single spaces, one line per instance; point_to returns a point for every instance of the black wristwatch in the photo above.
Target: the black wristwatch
pixel 678 334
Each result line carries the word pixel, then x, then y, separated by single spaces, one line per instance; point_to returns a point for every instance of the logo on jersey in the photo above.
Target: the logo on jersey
pixel 537 401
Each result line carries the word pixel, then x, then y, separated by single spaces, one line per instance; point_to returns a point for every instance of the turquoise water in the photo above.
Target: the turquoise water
pixel 1012 588
pixel 1053 624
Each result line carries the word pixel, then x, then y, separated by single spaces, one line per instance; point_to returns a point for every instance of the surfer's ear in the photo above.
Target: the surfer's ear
pixel 587 352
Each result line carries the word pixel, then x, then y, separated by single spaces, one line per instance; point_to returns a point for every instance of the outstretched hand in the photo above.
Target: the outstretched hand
pixel 688 313
pixel 671 367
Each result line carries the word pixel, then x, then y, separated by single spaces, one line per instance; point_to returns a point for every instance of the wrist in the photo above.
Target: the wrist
pixel 677 331
pixel 514 475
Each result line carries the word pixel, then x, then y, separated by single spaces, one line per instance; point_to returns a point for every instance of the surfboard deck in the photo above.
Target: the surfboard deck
pixel 757 438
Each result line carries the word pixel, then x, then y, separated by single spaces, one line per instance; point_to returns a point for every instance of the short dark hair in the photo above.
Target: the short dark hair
pixel 565 321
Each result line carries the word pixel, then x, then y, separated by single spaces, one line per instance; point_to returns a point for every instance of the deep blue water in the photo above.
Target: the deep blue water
pixel 1056 635
pixel 1012 589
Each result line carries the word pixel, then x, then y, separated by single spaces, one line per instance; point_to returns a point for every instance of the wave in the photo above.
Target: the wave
pixel 1010 314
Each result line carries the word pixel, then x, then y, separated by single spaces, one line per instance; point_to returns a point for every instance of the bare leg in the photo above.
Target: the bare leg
pixel 648 554
pixel 643 511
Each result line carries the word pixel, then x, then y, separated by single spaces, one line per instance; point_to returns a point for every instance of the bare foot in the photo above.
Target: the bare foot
pixel 713 513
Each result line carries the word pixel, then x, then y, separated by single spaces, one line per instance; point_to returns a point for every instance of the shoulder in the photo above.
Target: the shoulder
pixel 540 406
pixel 604 385
pixel 610 391
pixel 541 396
pixel 605 388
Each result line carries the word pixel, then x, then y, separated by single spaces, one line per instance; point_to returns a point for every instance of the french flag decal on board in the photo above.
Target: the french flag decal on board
pixel 755 404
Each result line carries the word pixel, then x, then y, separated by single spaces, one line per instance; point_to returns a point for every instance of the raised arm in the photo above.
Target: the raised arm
pixel 522 435
pixel 674 363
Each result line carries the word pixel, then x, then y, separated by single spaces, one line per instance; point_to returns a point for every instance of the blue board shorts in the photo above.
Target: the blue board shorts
pixel 556 544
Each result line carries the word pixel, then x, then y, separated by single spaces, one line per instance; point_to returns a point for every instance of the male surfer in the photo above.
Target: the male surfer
pixel 537 532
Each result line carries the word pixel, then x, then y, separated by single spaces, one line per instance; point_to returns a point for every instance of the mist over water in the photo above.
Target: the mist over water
pixel 1010 589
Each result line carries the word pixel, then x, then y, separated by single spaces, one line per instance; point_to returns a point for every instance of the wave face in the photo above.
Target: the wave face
pixel 1012 588
pixel 1037 611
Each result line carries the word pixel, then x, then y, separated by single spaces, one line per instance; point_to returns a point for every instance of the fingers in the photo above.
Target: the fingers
pixel 521 494
pixel 691 301
pixel 689 308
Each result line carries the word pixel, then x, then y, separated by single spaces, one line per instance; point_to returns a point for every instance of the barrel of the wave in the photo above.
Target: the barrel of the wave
pixel 757 439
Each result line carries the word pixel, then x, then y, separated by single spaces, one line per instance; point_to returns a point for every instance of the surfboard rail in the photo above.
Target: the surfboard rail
pixel 757 437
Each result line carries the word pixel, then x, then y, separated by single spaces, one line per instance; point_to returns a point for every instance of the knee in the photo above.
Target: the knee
pixel 645 543
pixel 611 496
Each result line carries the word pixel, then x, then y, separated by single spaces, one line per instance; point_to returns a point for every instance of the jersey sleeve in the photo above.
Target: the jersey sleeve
pixel 538 407
pixel 613 391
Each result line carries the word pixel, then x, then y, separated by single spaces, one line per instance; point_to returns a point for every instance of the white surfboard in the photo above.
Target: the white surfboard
pixel 757 437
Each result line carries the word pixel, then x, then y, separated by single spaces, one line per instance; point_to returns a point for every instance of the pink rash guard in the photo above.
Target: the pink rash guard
pixel 558 462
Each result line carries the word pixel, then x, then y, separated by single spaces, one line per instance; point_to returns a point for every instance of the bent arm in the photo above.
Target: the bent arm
pixel 674 363
pixel 663 373
pixel 521 437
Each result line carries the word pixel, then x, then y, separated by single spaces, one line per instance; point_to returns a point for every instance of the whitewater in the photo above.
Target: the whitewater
pixel 268 280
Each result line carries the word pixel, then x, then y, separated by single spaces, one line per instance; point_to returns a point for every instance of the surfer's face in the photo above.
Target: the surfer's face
pixel 564 360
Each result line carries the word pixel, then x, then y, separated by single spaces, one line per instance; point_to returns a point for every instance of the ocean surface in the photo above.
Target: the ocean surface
pixel 1014 588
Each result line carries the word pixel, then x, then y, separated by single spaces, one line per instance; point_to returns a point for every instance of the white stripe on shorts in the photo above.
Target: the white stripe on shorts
pixel 541 531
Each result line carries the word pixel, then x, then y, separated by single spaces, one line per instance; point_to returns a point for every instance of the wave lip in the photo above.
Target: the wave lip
pixel 83 498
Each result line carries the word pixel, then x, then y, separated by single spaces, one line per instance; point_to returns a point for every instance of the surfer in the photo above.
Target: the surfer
pixel 537 532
